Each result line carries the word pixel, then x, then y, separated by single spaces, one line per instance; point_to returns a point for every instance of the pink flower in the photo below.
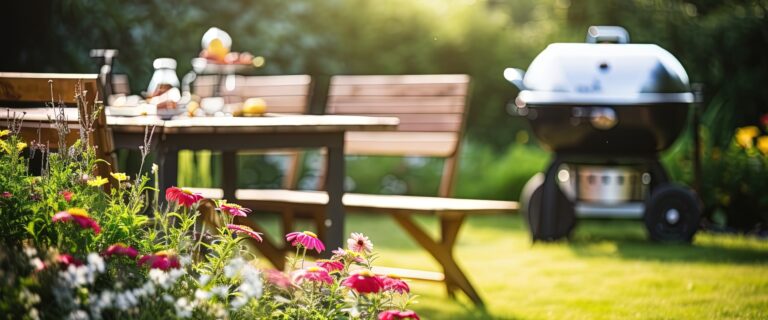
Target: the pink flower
pixel 313 274
pixel 6 195
pixel 398 315
pixel 238 228
pixel 364 282
pixel 160 260
pixel 67 195
pixel 181 196
pixel 120 249
pixel 358 242
pixel 330 265
pixel 234 209
pixel 67 260
pixel 277 278
pixel 346 255
pixel 393 283
pixel 307 239
pixel 78 216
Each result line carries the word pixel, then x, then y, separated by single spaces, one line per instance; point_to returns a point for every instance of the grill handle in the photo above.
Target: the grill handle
pixel 607 34
pixel 515 76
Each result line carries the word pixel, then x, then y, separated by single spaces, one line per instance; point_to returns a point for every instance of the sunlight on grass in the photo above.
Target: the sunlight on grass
pixel 607 271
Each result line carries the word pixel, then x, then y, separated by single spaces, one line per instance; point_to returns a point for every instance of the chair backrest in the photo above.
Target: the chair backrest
pixel 34 90
pixel 283 94
pixel 431 109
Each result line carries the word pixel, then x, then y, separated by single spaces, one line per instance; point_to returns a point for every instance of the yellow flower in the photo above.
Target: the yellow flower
pixel 20 146
pixel 119 176
pixel 4 146
pixel 762 144
pixel 744 136
pixel 97 182
pixel 4 133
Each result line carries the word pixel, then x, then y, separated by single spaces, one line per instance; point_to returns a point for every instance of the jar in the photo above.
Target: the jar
pixel 163 89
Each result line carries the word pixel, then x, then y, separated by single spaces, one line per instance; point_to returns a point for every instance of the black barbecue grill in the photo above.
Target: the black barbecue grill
pixel 605 108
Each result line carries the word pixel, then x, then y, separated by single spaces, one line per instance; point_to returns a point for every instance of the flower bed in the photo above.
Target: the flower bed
pixel 72 250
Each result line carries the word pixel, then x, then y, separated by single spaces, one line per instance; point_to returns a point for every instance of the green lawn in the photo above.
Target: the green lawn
pixel 607 271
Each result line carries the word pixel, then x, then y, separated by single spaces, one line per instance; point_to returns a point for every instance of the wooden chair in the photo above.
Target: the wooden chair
pixel 432 112
pixel 34 90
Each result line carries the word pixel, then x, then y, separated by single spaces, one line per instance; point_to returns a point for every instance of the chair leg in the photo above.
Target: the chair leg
pixel 442 253
pixel 449 230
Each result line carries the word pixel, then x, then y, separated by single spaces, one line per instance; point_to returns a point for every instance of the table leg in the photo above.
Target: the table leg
pixel 442 253
pixel 334 185
pixel 229 174
pixel 169 169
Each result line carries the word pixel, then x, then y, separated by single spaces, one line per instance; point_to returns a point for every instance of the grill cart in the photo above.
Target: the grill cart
pixel 605 108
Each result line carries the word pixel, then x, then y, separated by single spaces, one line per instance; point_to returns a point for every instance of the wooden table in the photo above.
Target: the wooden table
pixel 230 134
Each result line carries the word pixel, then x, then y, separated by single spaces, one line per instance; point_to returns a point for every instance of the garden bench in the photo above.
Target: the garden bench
pixel 33 90
pixel 432 112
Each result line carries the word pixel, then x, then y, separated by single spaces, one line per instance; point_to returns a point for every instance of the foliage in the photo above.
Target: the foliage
pixel 80 246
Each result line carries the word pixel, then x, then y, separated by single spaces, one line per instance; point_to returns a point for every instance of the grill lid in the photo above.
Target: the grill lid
pixel 603 73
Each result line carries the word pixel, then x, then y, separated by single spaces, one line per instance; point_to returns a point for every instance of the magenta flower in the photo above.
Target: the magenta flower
pixel 393 283
pixel 181 196
pixel 313 274
pixel 306 239
pixel 277 278
pixel 358 242
pixel 330 265
pixel 78 216
pixel 398 315
pixel 67 195
pixel 234 209
pixel 238 228
pixel 121 250
pixel 364 281
pixel 67 260
pixel 160 260
pixel 6 195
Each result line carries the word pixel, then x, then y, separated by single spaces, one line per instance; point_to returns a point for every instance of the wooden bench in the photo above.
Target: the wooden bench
pixel 34 90
pixel 432 112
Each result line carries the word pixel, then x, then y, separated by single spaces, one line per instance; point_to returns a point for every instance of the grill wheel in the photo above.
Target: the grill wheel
pixel 672 214
pixel 531 205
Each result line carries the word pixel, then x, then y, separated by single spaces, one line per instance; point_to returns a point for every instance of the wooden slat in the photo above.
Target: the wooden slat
pixel 34 87
pixel 434 144
pixel 448 89
pixel 377 104
pixel 387 203
pixel 400 79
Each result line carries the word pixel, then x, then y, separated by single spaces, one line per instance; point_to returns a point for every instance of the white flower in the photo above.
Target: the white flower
pixel 161 278
pixel 79 315
pixel 33 314
pixel 185 260
pixel 96 263
pixel 204 278
pixel 155 168
pixel 233 267
pixel 238 302
pixel 221 291
pixel 37 264
pixel 183 308
pixel 358 242
pixel 168 298
pixel 202 294
pixel 30 251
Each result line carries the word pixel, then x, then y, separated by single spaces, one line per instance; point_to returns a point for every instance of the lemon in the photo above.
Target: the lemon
pixel 254 106
pixel 217 49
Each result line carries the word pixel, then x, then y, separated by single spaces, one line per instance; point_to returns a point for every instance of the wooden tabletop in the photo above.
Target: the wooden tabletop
pixel 269 122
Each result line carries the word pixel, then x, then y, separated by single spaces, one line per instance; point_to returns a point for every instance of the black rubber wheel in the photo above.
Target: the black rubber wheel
pixel 672 214
pixel 531 206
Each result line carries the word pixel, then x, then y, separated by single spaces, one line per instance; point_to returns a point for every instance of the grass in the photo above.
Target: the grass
pixel 608 270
